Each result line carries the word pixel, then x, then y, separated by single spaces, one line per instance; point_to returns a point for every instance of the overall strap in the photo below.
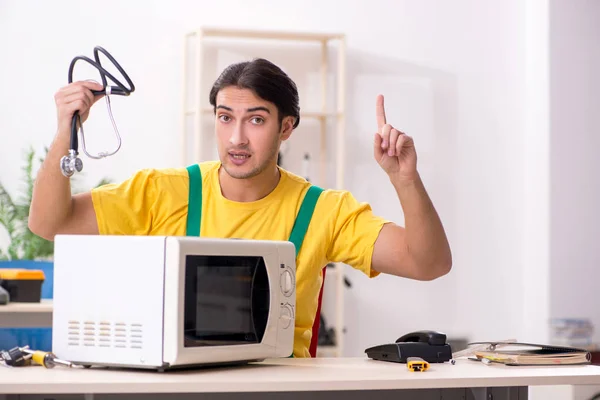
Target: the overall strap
pixel 304 216
pixel 303 220
pixel 194 216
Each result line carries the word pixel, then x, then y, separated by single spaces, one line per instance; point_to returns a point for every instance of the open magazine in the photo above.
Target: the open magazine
pixel 516 353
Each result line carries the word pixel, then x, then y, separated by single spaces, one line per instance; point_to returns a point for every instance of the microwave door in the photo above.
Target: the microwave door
pixel 227 300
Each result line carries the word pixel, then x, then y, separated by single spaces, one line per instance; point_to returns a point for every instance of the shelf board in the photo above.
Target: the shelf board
pixel 318 114
pixel 266 34
pixel 45 306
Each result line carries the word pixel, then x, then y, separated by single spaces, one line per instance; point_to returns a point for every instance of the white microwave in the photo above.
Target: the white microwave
pixel 163 302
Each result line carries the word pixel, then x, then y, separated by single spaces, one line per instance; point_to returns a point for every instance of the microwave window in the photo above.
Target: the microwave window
pixel 226 300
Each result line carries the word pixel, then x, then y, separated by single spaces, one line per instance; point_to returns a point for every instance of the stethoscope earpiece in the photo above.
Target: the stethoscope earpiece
pixel 71 163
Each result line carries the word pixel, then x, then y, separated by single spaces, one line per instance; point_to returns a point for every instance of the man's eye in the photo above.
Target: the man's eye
pixel 224 118
pixel 257 120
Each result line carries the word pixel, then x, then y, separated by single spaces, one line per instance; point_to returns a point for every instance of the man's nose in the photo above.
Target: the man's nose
pixel 238 136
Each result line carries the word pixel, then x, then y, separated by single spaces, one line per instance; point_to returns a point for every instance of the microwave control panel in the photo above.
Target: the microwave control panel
pixel 287 283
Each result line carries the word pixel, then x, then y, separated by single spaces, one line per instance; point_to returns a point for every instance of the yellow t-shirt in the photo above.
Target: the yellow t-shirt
pixel 155 202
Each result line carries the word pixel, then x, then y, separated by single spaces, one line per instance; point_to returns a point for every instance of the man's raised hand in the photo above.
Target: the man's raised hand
pixel 394 150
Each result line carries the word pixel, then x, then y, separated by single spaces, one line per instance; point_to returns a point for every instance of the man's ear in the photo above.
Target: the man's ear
pixel 287 126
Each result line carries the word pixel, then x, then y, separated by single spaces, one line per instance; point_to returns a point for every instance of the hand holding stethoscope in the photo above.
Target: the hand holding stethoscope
pixel 74 102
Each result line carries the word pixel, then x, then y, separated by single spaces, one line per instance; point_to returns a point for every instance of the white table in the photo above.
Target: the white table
pixel 26 315
pixel 315 379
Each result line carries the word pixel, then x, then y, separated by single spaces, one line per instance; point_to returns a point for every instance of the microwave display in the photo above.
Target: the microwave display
pixel 226 300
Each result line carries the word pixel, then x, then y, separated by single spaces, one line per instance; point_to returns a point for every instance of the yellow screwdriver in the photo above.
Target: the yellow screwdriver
pixel 46 359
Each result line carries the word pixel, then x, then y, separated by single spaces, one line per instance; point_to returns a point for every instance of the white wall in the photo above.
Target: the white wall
pixel 533 282
pixel 454 77
pixel 575 187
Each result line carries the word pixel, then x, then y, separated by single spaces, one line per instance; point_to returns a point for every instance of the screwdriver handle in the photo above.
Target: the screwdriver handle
pixel 44 359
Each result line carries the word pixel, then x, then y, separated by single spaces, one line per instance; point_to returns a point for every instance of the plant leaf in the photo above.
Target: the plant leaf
pixel 103 181
pixel 14 216
pixel 7 206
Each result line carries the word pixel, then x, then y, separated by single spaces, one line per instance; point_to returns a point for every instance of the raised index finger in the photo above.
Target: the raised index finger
pixel 380 112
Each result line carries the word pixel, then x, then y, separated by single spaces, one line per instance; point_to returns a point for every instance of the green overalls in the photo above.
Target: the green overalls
pixel 194 218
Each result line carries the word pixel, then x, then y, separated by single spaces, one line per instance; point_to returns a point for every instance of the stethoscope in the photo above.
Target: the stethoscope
pixel 71 162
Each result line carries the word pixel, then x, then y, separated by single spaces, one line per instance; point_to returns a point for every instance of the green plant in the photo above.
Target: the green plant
pixel 14 215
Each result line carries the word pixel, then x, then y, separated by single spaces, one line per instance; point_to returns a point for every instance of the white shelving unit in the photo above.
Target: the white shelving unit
pixel 198 117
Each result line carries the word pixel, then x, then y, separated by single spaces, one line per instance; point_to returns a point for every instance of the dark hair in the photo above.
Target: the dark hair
pixel 266 80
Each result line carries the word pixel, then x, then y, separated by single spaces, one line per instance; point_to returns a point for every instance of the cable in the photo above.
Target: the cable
pixel 71 162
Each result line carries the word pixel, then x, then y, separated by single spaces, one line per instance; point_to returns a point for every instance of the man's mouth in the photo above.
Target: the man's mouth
pixel 239 156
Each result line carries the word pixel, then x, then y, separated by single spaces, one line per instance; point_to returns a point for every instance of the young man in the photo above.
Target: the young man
pixel 246 195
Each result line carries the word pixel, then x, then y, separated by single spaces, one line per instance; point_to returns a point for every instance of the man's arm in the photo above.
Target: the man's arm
pixel 53 209
pixel 420 250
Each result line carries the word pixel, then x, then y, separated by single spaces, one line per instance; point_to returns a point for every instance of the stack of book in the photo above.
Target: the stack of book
pixel 515 353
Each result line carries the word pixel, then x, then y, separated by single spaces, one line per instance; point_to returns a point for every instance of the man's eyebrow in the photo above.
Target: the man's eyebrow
pixel 252 109
pixel 258 109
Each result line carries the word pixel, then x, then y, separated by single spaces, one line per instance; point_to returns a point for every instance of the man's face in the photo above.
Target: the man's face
pixel 248 132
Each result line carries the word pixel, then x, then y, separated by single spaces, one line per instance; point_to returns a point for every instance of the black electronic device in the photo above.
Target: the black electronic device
pixel 429 345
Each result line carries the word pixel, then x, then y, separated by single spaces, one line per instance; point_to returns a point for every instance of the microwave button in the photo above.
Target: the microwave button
pixel 287 282
pixel 286 316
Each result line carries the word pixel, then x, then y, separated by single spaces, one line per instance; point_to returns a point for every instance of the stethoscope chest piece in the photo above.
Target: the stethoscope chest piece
pixel 71 163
